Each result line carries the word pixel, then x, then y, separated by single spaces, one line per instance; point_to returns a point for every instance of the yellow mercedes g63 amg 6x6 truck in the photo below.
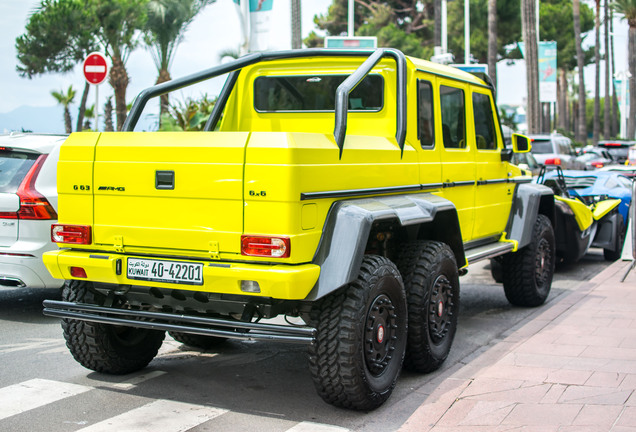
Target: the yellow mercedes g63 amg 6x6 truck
pixel 347 188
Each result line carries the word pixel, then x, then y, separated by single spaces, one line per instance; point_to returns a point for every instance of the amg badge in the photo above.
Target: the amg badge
pixel 111 188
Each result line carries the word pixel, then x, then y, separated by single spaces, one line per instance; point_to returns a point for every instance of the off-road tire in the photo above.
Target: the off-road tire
pixel 431 281
pixel 197 341
pixel 527 273
pixel 103 347
pixel 613 255
pixel 361 338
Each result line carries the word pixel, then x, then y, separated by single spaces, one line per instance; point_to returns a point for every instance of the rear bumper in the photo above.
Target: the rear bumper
pixel 181 323
pixel 281 281
pixel 25 272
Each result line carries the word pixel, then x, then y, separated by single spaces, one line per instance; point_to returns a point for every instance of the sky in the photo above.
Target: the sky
pixel 213 31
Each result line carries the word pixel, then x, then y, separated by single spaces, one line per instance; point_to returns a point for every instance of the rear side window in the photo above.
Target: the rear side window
pixel 542 146
pixel 485 134
pixel 453 117
pixel 425 118
pixel 315 93
pixel 14 166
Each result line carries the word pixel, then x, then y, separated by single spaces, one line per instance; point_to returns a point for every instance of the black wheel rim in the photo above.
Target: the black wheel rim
pixel 543 263
pixel 380 334
pixel 440 310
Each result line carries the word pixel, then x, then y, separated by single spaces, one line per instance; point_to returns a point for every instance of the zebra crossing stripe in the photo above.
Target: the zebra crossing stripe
pixel 18 398
pixel 160 415
pixel 316 427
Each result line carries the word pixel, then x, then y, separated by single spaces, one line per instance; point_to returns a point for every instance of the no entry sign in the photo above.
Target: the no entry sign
pixel 95 68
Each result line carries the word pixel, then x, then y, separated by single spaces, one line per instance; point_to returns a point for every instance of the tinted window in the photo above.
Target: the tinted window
pixel 315 93
pixel 485 134
pixel 425 118
pixel 453 117
pixel 14 166
pixel 542 146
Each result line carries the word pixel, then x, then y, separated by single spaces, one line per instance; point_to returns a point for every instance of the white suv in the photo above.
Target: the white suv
pixel 555 150
pixel 28 207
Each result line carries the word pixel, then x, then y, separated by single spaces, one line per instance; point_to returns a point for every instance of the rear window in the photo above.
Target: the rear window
pixel 315 93
pixel 542 146
pixel 14 166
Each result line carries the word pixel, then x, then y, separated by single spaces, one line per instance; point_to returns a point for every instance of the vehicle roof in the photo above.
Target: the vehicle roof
pixel 41 143
pixel 452 72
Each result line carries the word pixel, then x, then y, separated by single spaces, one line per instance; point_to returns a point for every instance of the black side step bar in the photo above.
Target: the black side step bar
pixel 180 323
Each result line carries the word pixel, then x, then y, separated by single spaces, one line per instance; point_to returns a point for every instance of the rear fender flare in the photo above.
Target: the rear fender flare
pixel 529 201
pixel 349 223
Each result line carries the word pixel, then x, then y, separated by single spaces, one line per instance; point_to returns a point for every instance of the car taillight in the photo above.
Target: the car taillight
pixel 272 247
pixel 73 234
pixel 33 205
pixel 553 161
pixel 597 164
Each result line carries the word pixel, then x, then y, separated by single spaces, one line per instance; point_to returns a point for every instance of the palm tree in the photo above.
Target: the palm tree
pixel 628 9
pixel 492 41
pixel 581 132
pixel 167 23
pixel 528 28
pixel 65 99
pixel 597 76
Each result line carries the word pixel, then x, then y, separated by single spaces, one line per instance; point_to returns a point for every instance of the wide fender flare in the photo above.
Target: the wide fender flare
pixel 349 223
pixel 529 200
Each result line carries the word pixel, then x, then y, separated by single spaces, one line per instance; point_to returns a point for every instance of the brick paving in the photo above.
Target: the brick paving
pixel 570 369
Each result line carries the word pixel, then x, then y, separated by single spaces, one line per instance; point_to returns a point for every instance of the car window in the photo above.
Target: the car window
pixel 542 146
pixel 425 117
pixel 453 117
pixel 485 134
pixel 624 181
pixel 14 166
pixel 315 93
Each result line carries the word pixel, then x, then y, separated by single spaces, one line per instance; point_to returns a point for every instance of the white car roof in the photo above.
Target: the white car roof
pixel 41 143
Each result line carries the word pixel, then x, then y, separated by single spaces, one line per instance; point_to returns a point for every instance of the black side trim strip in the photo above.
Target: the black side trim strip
pixel 99 256
pixel 358 192
pixel 459 183
pixel 520 180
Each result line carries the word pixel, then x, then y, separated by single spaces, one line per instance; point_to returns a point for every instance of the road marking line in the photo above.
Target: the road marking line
pixel 34 344
pixel 18 398
pixel 307 426
pixel 160 415
pixel 133 382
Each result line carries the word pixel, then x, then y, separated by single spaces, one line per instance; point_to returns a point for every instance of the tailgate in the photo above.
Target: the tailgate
pixel 163 190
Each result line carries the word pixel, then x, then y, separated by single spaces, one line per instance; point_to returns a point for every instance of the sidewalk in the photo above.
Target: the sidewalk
pixel 572 368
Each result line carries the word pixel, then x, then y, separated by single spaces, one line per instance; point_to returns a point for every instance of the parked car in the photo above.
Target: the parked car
pixel 592 187
pixel 594 159
pixel 618 149
pixel 555 150
pixel 28 207
pixel 628 171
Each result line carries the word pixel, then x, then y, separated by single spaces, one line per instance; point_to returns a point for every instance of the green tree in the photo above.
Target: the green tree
pixel 190 115
pixel 628 9
pixel 58 36
pixel 165 28
pixel 65 99
pixel 119 23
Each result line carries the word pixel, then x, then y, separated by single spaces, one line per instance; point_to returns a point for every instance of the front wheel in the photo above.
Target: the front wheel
pixel 527 273
pixel 361 338
pixel 106 348
pixel 613 255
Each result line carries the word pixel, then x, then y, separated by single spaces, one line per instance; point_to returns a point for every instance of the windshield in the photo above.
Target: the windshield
pixel 542 146
pixel 314 93
pixel 14 166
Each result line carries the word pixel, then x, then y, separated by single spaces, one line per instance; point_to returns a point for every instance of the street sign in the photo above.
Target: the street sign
pixel 95 68
pixel 356 42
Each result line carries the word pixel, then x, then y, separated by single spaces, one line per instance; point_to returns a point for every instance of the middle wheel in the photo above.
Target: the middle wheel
pixel 361 339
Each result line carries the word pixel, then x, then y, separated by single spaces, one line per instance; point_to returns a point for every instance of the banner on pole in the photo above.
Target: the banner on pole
pixel 547 69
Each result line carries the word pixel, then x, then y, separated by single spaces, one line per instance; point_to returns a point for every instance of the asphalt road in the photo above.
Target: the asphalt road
pixel 239 386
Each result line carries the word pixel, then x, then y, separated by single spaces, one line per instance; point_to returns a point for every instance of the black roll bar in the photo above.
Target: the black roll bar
pixel 342 93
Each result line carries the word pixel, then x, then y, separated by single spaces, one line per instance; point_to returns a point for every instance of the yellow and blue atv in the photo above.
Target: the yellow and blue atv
pixel 580 226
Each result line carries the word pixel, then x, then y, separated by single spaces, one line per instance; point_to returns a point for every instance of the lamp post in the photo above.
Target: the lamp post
pixel 624 76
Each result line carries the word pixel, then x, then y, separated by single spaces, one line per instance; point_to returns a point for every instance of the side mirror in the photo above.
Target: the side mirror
pixel 520 143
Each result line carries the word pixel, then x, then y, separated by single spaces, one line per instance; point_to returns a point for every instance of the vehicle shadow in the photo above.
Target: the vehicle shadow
pixel 25 304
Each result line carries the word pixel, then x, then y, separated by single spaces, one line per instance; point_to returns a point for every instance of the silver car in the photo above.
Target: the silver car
pixel 555 150
pixel 28 207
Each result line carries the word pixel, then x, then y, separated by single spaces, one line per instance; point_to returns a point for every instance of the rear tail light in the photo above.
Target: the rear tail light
pixel 597 164
pixel 33 205
pixel 73 234
pixel 271 247
pixel 553 161
pixel 78 272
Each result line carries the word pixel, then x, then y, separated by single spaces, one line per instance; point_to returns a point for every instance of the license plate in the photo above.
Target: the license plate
pixel 165 271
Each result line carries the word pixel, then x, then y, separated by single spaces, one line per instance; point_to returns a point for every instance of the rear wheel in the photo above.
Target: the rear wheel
pixel 527 273
pixel 361 338
pixel 197 341
pixel 431 282
pixel 103 347
pixel 613 255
